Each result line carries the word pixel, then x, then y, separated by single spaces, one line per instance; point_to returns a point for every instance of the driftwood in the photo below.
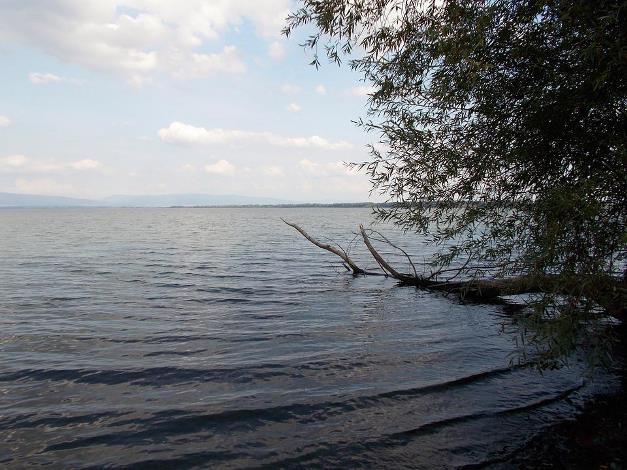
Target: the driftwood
pixel 339 251
pixel 384 264
pixel 609 294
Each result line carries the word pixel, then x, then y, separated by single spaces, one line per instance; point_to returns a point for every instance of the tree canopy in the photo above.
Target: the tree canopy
pixel 501 134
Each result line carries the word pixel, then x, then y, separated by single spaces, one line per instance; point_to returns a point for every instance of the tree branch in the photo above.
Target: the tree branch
pixel 611 295
pixel 384 264
pixel 339 252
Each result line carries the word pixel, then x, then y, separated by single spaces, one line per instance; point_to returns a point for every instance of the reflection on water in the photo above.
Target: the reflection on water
pixel 219 337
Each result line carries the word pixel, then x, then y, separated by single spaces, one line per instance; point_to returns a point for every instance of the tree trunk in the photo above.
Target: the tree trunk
pixel 609 293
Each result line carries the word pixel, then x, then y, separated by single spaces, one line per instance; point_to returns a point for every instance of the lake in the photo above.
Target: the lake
pixel 197 338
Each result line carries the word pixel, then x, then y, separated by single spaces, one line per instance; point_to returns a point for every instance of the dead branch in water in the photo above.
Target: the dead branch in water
pixel 336 251
pixel 609 294
pixel 384 239
pixel 384 264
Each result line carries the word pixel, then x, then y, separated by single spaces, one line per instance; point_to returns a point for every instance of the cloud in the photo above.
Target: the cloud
pixel 139 39
pixel 4 121
pixel 195 65
pixel 221 167
pixel 24 164
pixel 180 133
pixel 86 164
pixel 13 162
pixel 188 167
pixel 273 170
pixel 276 50
pixel 43 78
pixel 290 89
pixel 293 108
pixel 363 90
pixel 321 90
pixel 47 78
pixel 326 169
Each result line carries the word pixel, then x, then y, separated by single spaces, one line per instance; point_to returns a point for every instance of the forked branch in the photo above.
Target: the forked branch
pixel 610 295
pixel 325 246
pixel 382 262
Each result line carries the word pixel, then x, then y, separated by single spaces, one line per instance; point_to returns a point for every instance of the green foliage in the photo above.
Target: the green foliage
pixel 555 328
pixel 502 128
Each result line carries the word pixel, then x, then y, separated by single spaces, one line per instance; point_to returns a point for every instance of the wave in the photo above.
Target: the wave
pixel 188 419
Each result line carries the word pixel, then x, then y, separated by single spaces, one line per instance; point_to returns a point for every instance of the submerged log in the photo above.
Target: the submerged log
pixel 608 293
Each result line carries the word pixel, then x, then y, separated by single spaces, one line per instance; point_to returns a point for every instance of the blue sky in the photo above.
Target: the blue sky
pixel 104 97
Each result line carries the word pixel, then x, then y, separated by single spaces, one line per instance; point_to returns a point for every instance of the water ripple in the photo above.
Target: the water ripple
pixel 202 338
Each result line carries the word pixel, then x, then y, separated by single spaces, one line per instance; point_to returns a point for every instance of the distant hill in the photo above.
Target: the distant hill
pixel 33 200
pixel 188 200
pixel 164 200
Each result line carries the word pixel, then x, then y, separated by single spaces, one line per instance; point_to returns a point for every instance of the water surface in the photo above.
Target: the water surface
pixel 197 338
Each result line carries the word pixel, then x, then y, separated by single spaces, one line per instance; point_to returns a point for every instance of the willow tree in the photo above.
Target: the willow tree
pixel 500 130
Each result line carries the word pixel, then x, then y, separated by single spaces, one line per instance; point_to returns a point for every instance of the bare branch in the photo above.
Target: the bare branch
pixel 609 295
pixel 386 240
pixel 384 264
pixel 339 252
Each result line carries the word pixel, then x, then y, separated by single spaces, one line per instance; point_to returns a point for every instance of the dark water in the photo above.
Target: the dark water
pixel 197 338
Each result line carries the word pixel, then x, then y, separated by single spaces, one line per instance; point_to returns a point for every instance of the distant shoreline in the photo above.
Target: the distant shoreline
pixel 339 205
pixel 19 200
pixel 295 205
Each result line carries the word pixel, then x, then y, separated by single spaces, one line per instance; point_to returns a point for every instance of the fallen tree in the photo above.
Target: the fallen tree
pixel 498 134
pixel 609 294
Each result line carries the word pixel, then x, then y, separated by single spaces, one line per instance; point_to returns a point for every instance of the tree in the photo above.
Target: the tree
pixel 501 131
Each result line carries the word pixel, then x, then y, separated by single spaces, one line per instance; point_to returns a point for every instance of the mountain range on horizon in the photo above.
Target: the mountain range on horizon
pixel 158 200
pixel 18 200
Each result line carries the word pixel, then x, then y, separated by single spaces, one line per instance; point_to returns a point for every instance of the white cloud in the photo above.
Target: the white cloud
pixel 273 170
pixel 23 164
pixel 4 121
pixel 140 38
pixel 326 169
pixel 293 108
pixel 195 65
pixel 290 89
pixel 308 165
pixel 86 164
pixel 276 50
pixel 47 78
pixel 188 167
pixel 13 162
pixel 180 133
pixel 321 90
pixel 363 90
pixel 43 78
pixel 221 167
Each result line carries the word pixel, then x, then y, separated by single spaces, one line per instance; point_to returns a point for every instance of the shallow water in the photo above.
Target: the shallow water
pixel 192 338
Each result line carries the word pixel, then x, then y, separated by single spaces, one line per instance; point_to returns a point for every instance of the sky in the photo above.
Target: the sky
pixel 104 97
